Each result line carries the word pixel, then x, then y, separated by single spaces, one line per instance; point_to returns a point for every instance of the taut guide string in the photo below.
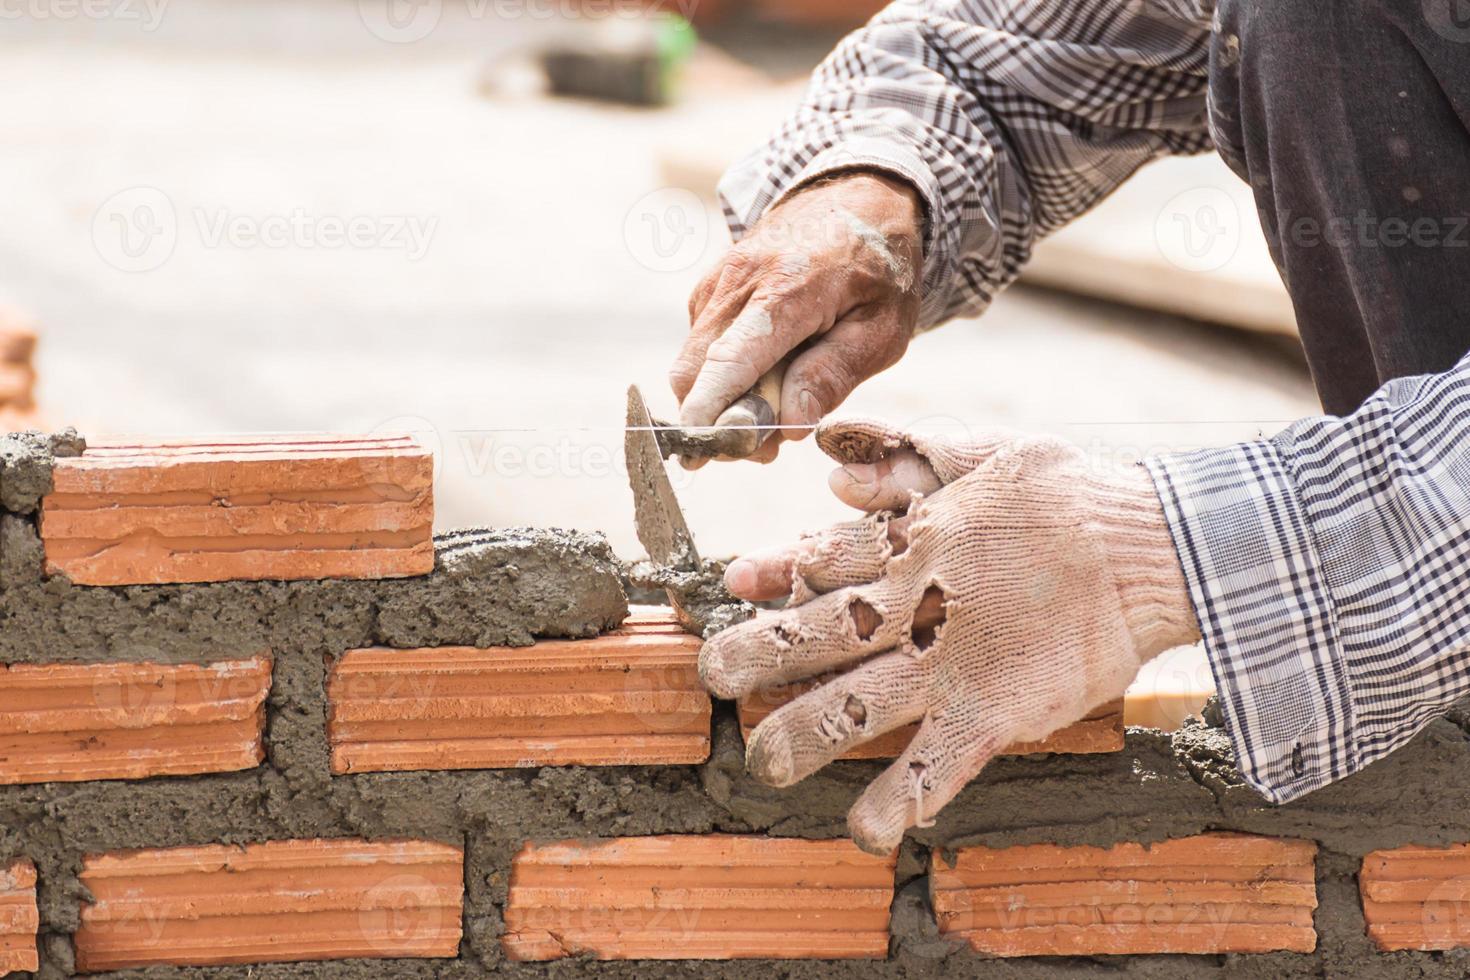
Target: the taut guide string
pixel 927 425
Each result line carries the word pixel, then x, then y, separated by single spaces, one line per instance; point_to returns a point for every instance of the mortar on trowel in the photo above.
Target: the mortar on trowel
pixel 695 590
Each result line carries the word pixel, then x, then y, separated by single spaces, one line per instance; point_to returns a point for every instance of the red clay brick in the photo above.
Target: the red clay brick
pixel 17 383
pixel 1214 893
pixel 69 722
pixel 17 375
pixel 17 338
pixel 241 507
pixel 281 901
pixel 628 698
pixel 712 897
pixel 19 917
pixel 1101 731
pixel 1414 897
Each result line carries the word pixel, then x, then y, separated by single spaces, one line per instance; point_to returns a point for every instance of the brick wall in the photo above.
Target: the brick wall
pixel 286 734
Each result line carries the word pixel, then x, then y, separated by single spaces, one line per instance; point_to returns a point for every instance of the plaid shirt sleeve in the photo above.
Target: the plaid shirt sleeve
pixel 1011 117
pixel 1330 570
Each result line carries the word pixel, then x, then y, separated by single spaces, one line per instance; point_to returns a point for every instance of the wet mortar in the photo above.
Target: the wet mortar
pixel 508 587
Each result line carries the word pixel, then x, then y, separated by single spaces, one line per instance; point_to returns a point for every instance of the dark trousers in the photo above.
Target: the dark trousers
pixel 1350 119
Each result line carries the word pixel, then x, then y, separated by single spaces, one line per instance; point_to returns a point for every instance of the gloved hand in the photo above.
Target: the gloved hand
pixel 1025 590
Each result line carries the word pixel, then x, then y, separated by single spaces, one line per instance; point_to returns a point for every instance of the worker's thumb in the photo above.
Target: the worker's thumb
pixel 883 467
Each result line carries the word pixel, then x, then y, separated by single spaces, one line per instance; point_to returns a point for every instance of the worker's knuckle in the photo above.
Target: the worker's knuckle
pixel 741 264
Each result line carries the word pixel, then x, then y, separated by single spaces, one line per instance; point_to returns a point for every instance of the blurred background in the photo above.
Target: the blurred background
pixel 459 218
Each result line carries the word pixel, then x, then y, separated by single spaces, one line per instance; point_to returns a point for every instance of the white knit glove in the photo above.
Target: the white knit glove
pixel 1040 585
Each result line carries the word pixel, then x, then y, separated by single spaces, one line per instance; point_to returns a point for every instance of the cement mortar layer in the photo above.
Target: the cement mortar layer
pixel 489 587
pixel 25 465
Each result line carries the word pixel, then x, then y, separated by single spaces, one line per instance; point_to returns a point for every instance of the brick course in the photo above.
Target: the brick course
pixel 628 698
pixel 1213 893
pixel 706 897
pixel 19 917
pixel 1415 897
pixel 280 901
pixel 70 722
pixel 149 511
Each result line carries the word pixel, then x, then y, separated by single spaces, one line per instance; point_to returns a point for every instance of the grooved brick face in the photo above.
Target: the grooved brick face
pixel 149 511
pixel 1100 731
pixel 1214 893
pixel 281 901
pixel 708 897
pixel 627 698
pixel 1415 897
pixel 70 722
pixel 19 917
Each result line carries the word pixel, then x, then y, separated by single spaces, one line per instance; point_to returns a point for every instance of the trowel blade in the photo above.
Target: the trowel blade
pixel 660 522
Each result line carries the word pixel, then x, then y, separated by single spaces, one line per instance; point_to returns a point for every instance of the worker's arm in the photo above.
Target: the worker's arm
pixel 1328 569
pixel 990 124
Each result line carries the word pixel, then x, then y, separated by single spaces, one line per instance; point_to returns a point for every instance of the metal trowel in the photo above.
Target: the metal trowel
pixel 660 523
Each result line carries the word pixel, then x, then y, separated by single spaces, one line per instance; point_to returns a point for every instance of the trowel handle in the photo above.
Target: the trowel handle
pixel 758 406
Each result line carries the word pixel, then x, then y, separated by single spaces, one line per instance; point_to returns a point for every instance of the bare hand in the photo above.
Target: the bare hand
pixel 832 274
